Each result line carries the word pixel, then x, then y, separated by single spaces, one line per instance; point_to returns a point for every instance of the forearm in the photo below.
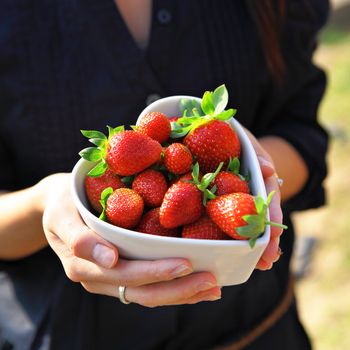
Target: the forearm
pixel 21 232
pixel 289 165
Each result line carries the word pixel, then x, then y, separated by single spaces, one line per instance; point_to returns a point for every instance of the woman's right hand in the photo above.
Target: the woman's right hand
pixel 94 262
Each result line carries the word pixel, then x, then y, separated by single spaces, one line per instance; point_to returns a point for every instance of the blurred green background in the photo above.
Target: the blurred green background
pixel 323 291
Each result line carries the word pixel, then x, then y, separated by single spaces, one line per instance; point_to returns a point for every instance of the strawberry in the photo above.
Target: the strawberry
pixel 156 125
pixel 213 143
pixel 95 185
pixel 177 159
pixel 182 205
pixel 150 224
pixel 226 183
pixel 204 228
pixel 231 180
pixel 151 186
pixel 122 207
pixel 183 202
pixel 209 138
pixel 125 153
pixel 241 215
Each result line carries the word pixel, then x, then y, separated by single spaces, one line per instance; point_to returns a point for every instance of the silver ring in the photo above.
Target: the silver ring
pixel 121 290
pixel 280 181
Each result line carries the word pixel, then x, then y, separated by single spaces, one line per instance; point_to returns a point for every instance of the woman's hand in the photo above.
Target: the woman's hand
pixel 272 251
pixel 93 262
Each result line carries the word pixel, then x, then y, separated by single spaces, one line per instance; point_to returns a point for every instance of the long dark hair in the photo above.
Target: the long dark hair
pixel 269 16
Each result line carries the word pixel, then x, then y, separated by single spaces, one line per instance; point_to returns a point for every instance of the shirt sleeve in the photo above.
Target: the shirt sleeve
pixel 290 109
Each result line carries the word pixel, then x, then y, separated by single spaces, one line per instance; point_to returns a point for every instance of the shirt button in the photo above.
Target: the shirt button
pixel 164 16
pixel 152 98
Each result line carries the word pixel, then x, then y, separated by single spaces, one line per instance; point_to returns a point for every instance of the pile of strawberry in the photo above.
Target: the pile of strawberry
pixel 175 176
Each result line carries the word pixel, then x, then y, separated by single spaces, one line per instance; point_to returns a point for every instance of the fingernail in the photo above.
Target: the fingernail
pixel 205 286
pixel 181 270
pixel 103 255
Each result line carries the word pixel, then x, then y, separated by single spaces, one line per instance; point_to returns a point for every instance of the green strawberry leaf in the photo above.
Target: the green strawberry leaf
pixel 195 173
pixel 220 99
pixel 207 194
pixel 234 165
pixel 98 170
pixel 208 103
pixel 195 112
pixel 99 142
pixel 260 205
pixel 180 132
pixel 92 134
pixel 92 154
pixel 253 229
pixel 113 131
pixel 225 115
pixel 269 197
pixel 208 178
pixel 187 106
pixel 104 197
pixel 252 242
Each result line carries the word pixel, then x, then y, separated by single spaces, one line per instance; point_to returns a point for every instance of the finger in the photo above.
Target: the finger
pixel 80 239
pixel 264 265
pixel 187 290
pixel 173 292
pixel 272 252
pixel 130 273
pixel 276 214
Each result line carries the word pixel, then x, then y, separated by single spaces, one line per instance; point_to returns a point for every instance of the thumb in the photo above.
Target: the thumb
pixel 82 241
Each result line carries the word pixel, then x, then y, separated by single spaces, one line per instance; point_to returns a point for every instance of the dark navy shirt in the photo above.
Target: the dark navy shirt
pixel 67 65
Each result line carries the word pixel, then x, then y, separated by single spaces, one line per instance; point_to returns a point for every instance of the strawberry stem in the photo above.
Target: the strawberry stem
pixel 271 223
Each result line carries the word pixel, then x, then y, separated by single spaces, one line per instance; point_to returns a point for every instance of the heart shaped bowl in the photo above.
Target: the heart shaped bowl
pixel 232 261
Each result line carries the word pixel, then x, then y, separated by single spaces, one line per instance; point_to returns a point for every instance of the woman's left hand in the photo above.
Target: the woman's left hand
pixel 272 251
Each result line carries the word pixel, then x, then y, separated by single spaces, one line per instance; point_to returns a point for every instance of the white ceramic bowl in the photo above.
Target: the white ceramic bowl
pixel 231 261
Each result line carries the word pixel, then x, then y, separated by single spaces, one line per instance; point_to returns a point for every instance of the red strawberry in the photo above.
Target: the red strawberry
pixel 130 152
pixel 226 183
pixel 150 224
pixel 204 228
pixel 156 125
pixel 183 202
pixel 177 159
pixel 213 143
pixel 241 215
pixel 125 153
pixel 182 205
pixel 122 207
pixel 209 138
pixel 95 185
pixel 151 186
